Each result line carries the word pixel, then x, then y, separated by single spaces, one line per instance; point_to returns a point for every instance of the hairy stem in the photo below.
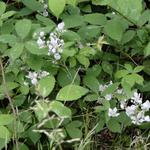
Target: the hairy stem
pixel 11 104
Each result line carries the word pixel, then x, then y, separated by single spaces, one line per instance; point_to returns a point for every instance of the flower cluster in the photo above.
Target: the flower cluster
pixel 54 43
pixel 35 76
pixel 133 106
pixel 137 110
pixel 45 12
pixel 113 112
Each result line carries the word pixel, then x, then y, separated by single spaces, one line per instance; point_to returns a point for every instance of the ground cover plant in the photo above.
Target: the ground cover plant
pixel 74 74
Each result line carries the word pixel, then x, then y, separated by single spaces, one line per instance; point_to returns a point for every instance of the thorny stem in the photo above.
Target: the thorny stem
pixel 11 104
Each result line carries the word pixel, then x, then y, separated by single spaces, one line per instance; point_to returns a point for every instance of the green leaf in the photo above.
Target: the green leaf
pixel 138 69
pixel 114 29
pixel 61 110
pixel 128 36
pixel 114 126
pixel 71 92
pixel 129 8
pixel 56 7
pixel 33 48
pixel 95 70
pixel 33 5
pixel 67 77
pixel 71 2
pixel 110 89
pixel 8 38
pixel 23 28
pixel 4 133
pixel 107 67
pixel 6 119
pixel 46 85
pixel 83 60
pixel 95 19
pixel 16 51
pixel 8 14
pixel 73 129
pixel 73 21
pixel 147 50
pixel 121 73
pixel 92 83
pixel 2 8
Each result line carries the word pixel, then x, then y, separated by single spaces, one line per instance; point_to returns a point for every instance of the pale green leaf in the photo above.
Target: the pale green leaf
pixel 61 110
pixel 46 85
pixel 23 28
pixel 6 119
pixel 114 29
pixel 2 8
pixel 56 6
pixel 71 92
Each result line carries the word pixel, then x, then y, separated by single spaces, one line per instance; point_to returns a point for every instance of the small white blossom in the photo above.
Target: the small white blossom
pixel 123 103
pixel 102 87
pixel 43 74
pixel 136 98
pixel 42 34
pixel 60 27
pixel 145 106
pixel 120 91
pixel 41 43
pixel 108 97
pixel 57 56
pixel 113 112
pixel 131 110
pixel 147 118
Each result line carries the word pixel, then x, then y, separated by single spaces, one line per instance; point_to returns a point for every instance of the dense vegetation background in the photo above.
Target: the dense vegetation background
pixel 74 74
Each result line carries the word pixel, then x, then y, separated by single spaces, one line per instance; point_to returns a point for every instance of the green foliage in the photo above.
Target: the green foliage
pixel 66 66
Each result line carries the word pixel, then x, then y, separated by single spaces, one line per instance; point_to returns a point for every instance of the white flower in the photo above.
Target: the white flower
pixel 108 97
pixel 102 87
pixel 147 118
pixel 131 110
pixel 45 6
pixel 113 112
pixel 32 75
pixel 60 27
pixel 136 98
pixel 123 103
pixel 34 81
pixel 120 91
pixel 42 34
pixel 41 43
pixel 145 106
pixel 43 74
pixel 57 56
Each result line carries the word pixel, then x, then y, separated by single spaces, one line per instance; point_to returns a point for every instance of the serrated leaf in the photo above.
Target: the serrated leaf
pixel 138 69
pixel 92 83
pixel 114 29
pixel 6 119
pixel 61 110
pixel 114 126
pixel 8 38
pixel 71 92
pixel 16 51
pixel 2 8
pixel 147 50
pixel 46 85
pixel 56 6
pixel 8 14
pixel 33 5
pixel 4 133
pixel 95 19
pixel 23 28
